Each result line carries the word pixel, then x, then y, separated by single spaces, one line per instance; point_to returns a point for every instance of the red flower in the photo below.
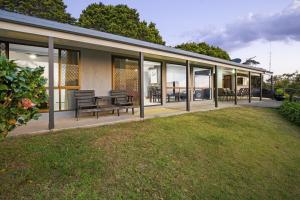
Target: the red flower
pixel 27 103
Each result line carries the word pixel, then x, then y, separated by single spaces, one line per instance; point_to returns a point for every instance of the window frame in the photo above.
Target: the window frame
pixel 58 87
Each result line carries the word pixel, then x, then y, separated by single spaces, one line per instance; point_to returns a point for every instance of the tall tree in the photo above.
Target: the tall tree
pixel 120 20
pixel 205 49
pixel 47 9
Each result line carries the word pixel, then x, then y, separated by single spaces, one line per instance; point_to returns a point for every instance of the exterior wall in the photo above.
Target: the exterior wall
pixel 220 77
pixel 233 81
pixel 96 71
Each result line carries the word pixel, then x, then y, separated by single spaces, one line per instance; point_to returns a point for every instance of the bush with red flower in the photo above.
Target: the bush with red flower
pixel 22 90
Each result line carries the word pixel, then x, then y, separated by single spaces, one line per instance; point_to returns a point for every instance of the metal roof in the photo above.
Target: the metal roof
pixel 67 28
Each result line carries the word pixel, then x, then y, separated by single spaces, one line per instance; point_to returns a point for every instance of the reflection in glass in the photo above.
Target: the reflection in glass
pixel 202 83
pixel 66 71
pixel 176 83
pixel 32 56
pixel 69 64
pixel 152 83
pixel 4 49
pixel 67 99
pixel 125 77
pixel 56 100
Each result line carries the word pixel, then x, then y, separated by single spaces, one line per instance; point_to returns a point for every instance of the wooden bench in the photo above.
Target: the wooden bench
pixel 122 100
pixel 85 102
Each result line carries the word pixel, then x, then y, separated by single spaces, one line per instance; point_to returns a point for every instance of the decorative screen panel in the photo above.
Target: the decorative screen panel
pixel 69 62
pixel 125 77
pixel 4 49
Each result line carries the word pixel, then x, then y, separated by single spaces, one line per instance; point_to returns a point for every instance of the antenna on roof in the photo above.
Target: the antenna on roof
pixel 270 58
pixel 237 60
pixel 251 58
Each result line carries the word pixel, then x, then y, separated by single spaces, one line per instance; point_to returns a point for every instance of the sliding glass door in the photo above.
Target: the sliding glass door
pixel 125 76
pixel 202 83
pixel 152 83
pixel 176 83
pixel 68 78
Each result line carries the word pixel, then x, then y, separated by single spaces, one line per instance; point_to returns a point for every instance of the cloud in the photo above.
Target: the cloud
pixel 282 26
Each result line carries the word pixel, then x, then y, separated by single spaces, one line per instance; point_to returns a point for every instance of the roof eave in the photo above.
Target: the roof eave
pixel 72 29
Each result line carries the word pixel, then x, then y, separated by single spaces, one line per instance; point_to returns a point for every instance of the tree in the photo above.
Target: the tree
pixel 287 81
pixel 120 20
pixel 47 9
pixel 205 49
pixel 22 90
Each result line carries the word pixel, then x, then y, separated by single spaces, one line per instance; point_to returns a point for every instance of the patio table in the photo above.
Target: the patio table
pixel 118 108
pixel 108 106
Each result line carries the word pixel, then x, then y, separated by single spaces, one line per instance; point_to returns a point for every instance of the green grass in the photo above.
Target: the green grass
pixel 241 153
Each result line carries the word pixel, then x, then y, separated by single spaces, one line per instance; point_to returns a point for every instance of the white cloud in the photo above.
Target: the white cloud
pixel 281 26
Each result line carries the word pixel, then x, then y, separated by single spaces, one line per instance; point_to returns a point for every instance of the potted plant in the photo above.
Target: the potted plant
pixel 279 94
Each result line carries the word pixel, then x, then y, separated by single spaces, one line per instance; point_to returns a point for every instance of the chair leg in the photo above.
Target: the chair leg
pixel 113 111
pixel 127 110
pixel 97 115
pixel 118 112
pixel 133 111
pixel 77 115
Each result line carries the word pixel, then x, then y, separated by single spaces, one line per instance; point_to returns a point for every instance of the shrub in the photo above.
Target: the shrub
pixel 291 110
pixel 279 91
pixel 22 90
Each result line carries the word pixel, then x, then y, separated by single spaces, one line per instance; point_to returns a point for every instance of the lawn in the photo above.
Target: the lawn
pixel 241 153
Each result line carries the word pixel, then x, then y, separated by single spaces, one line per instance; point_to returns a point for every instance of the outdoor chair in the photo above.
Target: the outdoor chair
pixel 173 96
pixel 85 102
pixel 156 95
pixel 229 94
pixel 121 99
pixel 240 93
pixel 246 92
pixel 182 96
pixel 221 94
pixel 243 92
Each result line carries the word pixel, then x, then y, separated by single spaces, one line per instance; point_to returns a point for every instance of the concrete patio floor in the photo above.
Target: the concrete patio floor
pixel 66 120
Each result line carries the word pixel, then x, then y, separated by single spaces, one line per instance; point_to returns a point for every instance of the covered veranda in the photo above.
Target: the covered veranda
pixel 163 80
pixel 66 120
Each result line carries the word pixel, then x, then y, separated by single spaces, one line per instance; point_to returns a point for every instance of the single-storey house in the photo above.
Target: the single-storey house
pixel 77 58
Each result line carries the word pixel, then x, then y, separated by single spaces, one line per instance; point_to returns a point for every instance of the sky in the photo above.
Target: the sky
pixel 245 29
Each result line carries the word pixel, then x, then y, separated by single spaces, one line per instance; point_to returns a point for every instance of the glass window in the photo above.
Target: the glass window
pixel 67 99
pixel 125 77
pixel 202 83
pixel 32 56
pixel 3 49
pixel 152 83
pixel 56 100
pixel 69 67
pixel 66 70
pixel 240 81
pixel 176 82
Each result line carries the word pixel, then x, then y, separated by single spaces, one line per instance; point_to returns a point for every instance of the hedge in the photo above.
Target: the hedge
pixel 291 110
